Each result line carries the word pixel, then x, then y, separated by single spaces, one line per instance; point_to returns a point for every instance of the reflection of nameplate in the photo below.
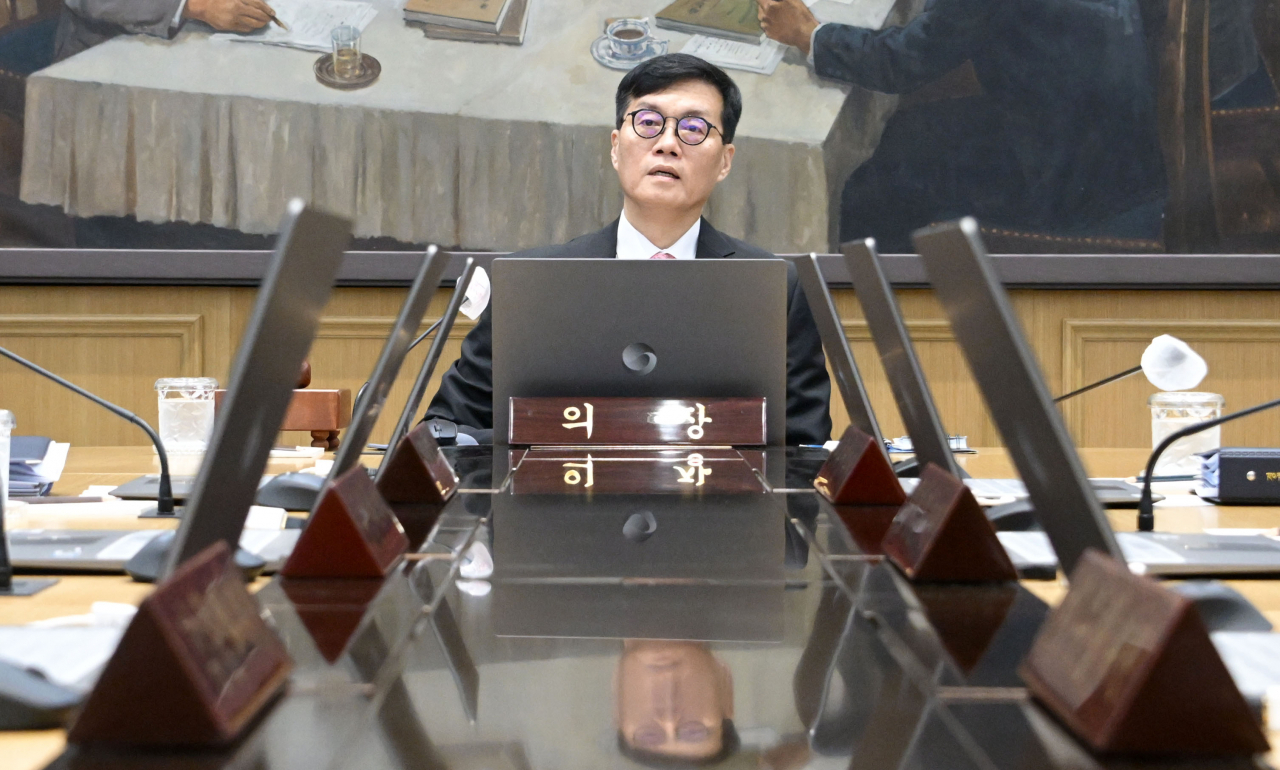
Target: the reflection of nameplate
pixel 635 471
pixel 416 471
pixel 195 666
pixel 637 421
pixel 942 535
pixel 1128 666
pixel 331 610
pixel 859 473
pixel 351 534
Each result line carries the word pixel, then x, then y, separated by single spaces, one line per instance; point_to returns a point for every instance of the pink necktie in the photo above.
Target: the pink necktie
pixel 662 255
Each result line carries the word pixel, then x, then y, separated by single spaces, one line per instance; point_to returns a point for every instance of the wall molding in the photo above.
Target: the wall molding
pixel 1077 333
pixel 187 329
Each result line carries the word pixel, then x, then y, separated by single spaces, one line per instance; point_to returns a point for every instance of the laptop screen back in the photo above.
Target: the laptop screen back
pixel 898 356
pixel 275 343
pixel 1006 371
pixel 709 327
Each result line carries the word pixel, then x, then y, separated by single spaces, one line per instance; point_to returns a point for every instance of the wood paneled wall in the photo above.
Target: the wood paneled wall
pixel 117 341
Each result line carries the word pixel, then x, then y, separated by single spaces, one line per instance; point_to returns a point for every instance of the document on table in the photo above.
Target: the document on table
pixel 310 23
pixel 762 59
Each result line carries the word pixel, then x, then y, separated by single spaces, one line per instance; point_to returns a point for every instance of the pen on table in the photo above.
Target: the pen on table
pixel 272 13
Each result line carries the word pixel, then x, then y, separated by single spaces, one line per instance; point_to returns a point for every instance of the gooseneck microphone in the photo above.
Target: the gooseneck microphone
pixel 1098 384
pixel 164 496
pixel 1146 516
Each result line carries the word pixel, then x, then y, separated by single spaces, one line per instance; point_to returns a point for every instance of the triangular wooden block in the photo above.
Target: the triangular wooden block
pixel 942 535
pixel 331 610
pixel 193 669
pixel 416 471
pixel 859 473
pixel 351 534
pixel 1128 666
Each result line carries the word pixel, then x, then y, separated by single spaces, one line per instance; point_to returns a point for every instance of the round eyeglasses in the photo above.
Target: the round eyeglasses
pixel 691 130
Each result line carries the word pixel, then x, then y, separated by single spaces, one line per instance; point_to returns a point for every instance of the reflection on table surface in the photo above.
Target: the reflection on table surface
pixel 756 636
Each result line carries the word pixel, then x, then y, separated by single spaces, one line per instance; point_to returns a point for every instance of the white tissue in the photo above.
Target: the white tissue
pixel 477 297
pixel 1171 364
pixel 477 562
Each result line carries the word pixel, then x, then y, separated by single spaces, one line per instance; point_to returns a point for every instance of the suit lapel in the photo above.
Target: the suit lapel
pixel 602 244
pixel 712 244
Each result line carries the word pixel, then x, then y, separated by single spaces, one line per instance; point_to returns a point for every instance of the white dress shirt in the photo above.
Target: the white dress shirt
pixel 633 245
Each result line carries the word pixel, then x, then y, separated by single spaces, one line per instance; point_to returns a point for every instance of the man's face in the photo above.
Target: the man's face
pixel 664 172
pixel 673 698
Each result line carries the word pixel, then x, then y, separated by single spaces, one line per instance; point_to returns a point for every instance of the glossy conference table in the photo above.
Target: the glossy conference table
pixel 818 655
pixel 490 147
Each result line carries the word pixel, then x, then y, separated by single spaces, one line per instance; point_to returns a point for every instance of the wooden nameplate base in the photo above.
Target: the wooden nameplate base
pixel 859 473
pixel 1127 665
pixel 416 483
pixel 941 535
pixel 417 472
pixel 637 422
pixel 351 534
pixel 194 668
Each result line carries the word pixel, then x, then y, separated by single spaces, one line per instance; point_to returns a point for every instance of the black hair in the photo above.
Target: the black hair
pixel 662 72
pixel 728 747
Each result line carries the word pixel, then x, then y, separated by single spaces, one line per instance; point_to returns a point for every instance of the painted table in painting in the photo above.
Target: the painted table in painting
pixel 484 146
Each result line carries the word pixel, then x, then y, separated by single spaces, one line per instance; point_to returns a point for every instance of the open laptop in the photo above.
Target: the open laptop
pixel 640 328
pixel 279 334
pixel 911 392
pixel 1006 371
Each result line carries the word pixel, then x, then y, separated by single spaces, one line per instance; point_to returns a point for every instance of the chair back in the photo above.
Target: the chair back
pixel 1186 139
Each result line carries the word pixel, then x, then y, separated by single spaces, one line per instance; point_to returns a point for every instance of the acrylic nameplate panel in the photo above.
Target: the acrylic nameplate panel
pixel 637 421
pixel 352 533
pixel 859 473
pixel 637 471
pixel 1128 666
pixel 331 610
pixel 194 668
pixel 942 535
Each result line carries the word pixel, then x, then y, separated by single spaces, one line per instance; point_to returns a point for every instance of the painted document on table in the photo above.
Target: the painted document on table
pixel 310 23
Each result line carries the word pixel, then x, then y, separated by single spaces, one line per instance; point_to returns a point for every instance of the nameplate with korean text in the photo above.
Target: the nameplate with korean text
pixel 637 471
pixel 637 421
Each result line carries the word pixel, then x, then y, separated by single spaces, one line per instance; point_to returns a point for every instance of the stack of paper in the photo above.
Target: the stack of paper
pixel 35 463
pixel 762 58
pixel 310 23
pixel 475 15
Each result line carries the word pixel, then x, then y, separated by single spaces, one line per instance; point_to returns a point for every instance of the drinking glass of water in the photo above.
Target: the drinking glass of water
pixel 346 52
pixel 1175 410
pixel 186 415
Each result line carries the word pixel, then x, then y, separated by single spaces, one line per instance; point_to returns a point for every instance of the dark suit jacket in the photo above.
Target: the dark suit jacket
pixel 466 392
pixel 1068 83
pixel 86 23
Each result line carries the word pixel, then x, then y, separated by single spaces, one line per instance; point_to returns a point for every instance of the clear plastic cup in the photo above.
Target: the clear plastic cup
pixel 1175 410
pixel 186 413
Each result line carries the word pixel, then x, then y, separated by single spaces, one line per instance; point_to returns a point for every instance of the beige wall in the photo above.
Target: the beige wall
pixel 117 341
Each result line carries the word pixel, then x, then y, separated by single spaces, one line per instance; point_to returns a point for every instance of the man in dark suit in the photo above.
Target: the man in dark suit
pixel 86 23
pixel 1061 140
pixel 676 116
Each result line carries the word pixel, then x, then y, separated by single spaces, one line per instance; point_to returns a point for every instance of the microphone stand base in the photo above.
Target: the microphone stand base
pixel 27 586
pixel 152 513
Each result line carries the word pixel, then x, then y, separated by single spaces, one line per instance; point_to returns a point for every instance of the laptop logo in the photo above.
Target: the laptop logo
pixel 640 526
pixel 639 358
